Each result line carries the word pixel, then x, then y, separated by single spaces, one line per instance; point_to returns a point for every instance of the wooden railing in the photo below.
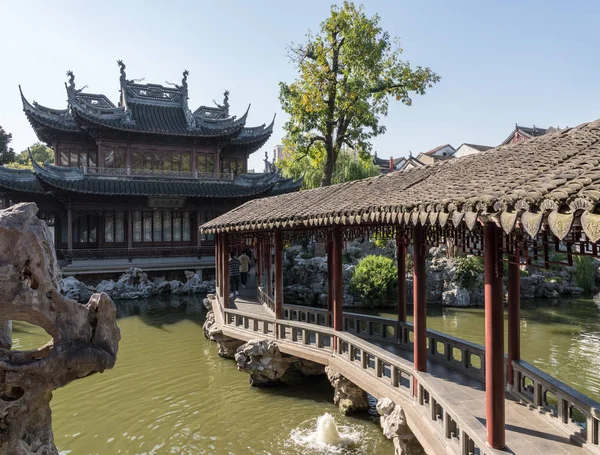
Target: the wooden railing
pixel 123 253
pixel 266 299
pixel 563 403
pixel 301 313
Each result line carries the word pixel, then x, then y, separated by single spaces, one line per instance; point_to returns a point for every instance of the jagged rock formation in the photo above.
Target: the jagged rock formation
pixel 263 361
pixel 85 337
pixel 134 284
pixel 394 426
pixel 348 396
pixel 227 346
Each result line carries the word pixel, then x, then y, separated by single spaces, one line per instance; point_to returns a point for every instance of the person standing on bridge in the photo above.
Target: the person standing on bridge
pixel 244 268
pixel 234 275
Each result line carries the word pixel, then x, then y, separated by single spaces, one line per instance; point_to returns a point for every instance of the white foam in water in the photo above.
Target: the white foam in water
pixel 327 437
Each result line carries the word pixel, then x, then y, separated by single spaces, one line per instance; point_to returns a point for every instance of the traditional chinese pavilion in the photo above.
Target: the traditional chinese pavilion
pixel 132 182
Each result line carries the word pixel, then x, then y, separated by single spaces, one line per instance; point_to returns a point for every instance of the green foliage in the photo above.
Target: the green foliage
pixel 347 74
pixel 375 278
pixel 468 269
pixel 40 152
pixel 348 167
pixel 553 279
pixel 524 273
pixel 585 272
pixel 306 255
pixel 7 154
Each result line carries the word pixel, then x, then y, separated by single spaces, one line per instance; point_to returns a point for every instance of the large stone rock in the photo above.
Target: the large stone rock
pixel 309 368
pixel 394 426
pixel 263 361
pixel 74 289
pixel 84 337
pixel 227 346
pixel 348 396
pixel 456 297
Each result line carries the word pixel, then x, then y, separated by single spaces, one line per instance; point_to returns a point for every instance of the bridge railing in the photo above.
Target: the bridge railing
pixel 310 315
pixel 306 334
pixel 241 320
pixel 570 407
pixel 266 299
pixel 459 354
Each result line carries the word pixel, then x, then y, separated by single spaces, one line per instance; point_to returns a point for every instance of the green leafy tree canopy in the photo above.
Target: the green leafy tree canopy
pixel 7 154
pixel 349 166
pixel 40 152
pixel 347 74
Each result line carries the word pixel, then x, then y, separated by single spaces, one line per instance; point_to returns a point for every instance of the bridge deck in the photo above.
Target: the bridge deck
pixel 528 432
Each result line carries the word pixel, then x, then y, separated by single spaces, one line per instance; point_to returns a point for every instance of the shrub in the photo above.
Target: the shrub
pixel 585 272
pixel 468 269
pixel 375 278
pixel 306 255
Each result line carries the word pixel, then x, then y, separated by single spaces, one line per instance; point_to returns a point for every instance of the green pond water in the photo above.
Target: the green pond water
pixel 170 393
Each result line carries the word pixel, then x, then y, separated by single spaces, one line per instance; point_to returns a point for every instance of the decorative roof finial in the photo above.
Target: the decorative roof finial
pixel 184 83
pixel 122 67
pixel 226 99
pixel 71 80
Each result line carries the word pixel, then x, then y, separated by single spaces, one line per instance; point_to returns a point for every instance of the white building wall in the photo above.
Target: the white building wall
pixel 465 150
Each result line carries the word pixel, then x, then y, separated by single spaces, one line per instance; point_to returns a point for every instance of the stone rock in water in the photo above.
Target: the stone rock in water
pixel 348 396
pixel 394 426
pixel 85 337
pixel 456 297
pixel 263 361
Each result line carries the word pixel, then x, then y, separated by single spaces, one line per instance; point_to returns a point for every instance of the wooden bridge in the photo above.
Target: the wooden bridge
pixel 447 411
pixel 535 203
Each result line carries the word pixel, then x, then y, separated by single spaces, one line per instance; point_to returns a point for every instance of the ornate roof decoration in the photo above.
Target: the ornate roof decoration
pixel 148 109
pixel 548 182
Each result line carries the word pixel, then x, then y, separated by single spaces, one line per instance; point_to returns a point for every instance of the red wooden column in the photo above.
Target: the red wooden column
pixel 401 253
pixel 217 264
pixel 225 270
pixel 514 304
pixel 278 240
pixel 330 282
pixel 269 265
pixel 494 336
pixel 419 299
pixel 258 259
pixel 338 293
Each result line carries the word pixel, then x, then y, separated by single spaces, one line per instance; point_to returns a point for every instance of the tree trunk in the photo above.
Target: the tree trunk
pixel 329 165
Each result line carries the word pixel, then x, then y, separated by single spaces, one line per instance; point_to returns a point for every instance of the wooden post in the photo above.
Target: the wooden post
pixel 70 231
pixel 278 240
pixel 514 303
pixel 129 231
pixel 401 253
pixel 269 265
pixel 225 268
pixel 419 300
pixel 494 336
pixel 330 282
pixel 217 264
pixel 337 279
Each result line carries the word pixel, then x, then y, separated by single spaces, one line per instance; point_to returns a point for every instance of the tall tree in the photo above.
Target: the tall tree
pixel 7 154
pixel 347 74
pixel 350 165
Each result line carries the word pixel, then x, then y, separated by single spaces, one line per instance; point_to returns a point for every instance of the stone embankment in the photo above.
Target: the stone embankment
pixel 134 284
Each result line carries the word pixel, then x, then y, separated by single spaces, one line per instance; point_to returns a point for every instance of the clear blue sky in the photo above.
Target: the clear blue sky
pixel 501 62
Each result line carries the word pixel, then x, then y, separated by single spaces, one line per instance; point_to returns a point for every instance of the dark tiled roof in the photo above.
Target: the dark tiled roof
pixel 554 177
pixel 148 109
pixel 532 132
pixel 74 181
pixel 19 180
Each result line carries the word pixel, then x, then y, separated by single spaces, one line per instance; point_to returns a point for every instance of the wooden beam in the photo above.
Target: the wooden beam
pixel 494 336
pixel 419 299
pixel 278 240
